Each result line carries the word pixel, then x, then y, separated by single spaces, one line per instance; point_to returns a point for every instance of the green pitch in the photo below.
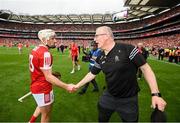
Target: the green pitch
pixel 15 81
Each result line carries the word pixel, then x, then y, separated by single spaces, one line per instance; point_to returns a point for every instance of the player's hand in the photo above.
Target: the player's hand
pixel 71 88
pixel 159 102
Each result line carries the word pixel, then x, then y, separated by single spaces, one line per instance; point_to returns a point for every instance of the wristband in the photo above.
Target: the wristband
pixel 156 94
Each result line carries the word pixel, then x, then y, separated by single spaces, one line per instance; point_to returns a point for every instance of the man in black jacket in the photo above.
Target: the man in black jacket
pixel 119 63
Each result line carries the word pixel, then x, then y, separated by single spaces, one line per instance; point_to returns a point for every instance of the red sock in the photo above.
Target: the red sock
pixel 33 119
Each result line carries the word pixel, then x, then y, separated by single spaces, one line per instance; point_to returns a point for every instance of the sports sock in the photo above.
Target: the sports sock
pixel 33 119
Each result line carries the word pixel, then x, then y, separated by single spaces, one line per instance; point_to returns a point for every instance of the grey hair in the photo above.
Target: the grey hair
pixel 108 31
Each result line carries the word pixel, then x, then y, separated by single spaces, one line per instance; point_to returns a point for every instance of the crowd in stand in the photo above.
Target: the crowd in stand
pixel 167 46
pixel 156 39
pixel 122 27
pixel 10 42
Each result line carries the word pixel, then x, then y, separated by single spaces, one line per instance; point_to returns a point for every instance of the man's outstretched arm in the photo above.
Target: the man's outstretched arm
pixel 89 76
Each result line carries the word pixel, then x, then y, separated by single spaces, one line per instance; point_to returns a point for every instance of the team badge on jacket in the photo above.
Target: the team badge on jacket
pixel 116 58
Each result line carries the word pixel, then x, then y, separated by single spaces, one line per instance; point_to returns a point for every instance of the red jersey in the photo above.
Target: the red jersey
pixel 40 58
pixel 74 50
pixel 20 45
pixel 27 45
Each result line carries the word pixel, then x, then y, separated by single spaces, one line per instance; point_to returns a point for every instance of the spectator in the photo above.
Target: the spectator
pixel 160 53
pixel 62 48
pixel 145 54
pixel 93 54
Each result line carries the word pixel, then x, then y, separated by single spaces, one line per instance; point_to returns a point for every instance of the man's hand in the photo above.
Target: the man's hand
pixel 71 88
pixel 76 86
pixel 159 102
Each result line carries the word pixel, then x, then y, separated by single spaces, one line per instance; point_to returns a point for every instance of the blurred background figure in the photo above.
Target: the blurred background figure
pixel 93 54
pixel 145 54
pixel 74 52
pixel 160 53
pixel 62 47
pixel 20 45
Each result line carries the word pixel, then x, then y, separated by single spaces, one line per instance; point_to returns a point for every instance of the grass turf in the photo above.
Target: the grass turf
pixel 15 81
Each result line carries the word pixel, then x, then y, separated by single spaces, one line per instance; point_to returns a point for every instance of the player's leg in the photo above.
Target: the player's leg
pixel 44 102
pixel 77 63
pixel 73 64
pixel 84 89
pixel 95 85
pixel 19 50
pixel 35 115
pixel 45 113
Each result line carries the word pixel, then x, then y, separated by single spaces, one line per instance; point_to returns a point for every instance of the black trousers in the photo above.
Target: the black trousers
pixel 160 57
pixel 127 108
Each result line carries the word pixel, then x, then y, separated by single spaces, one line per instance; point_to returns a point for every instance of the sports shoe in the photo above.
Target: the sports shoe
pixel 72 71
pixel 79 67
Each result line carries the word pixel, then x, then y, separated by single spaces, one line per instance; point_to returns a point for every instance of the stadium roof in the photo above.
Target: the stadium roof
pixel 138 9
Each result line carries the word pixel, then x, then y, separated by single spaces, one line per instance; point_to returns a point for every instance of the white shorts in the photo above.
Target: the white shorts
pixel 44 99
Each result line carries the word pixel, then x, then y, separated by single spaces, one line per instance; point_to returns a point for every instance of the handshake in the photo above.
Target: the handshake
pixel 71 88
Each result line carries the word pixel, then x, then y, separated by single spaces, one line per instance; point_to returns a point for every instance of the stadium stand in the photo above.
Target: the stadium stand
pixel 161 30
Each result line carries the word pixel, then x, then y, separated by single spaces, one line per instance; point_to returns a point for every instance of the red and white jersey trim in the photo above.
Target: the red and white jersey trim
pixel 47 61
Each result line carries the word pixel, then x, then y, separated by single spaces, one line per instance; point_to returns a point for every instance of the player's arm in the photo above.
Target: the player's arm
pixel 85 80
pixel 53 80
pixel 150 77
pixel 91 75
pixel 151 80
